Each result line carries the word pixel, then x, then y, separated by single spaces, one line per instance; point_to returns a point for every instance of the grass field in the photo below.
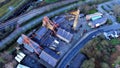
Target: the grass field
pixel 5 8
pixel 92 11
pixel 118 18
pixel 114 41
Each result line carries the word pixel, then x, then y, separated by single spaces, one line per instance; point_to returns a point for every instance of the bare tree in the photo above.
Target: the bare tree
pixel 116 10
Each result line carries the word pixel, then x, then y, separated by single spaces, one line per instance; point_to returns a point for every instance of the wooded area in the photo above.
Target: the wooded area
pixel 104 52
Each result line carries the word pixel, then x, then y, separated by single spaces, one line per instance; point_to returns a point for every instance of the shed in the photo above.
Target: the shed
pixel 22 66
pixel 20 56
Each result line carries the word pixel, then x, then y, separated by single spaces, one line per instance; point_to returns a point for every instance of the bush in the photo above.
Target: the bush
pixel 109 22
pixel 118 19
pixel 49 1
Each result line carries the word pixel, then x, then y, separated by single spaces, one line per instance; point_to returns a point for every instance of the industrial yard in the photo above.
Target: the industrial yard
pixel 54 37
pixel 72 34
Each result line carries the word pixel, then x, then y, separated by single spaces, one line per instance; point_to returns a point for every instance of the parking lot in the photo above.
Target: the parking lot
pixel 109 5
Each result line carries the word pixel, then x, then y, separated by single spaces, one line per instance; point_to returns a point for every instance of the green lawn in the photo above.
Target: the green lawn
pixel 114 41
pixel 4 9
pixel 118 18
pixel 49 1
pixel 109 22
pixel 92 11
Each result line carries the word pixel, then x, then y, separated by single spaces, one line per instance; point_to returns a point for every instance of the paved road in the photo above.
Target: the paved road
pixel 70 55
pixel 110 17
pixel 32 13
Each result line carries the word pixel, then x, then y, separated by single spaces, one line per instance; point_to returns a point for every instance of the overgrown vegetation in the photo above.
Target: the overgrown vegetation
pixel 114 41
pixel 109 22
pixel 49 1
pixel 92 11
pixel 118 19
pixel 105 52
pixel 5 8
pixel 7 60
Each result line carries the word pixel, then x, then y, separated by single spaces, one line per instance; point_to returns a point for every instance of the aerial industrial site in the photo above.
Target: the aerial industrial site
pixel 59 33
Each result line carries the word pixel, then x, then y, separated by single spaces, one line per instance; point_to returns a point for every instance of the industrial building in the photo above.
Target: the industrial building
pixel 90 16
pixel 49 56
pixel 97 22
pixel 96 19
pixel 29 44
pixel 64 35
pixel 45 41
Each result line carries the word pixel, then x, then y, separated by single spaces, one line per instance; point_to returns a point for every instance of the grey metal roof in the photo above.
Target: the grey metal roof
pixel 41 32
pixel 59 19
pixel 78 60
pixel 65 34
pixel 49 56
pixel 52 53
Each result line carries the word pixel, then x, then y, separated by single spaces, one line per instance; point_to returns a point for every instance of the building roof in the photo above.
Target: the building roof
pixel 48 41
pixel 41 32
pixel 59 19
pixel 22 66
pixel 32 62
pixel 64 35
pixel 93 15
pixel 20 40
pixel 49 56
pixel 98 22
pixel 32 46
pixel 78 60
pixel 20 56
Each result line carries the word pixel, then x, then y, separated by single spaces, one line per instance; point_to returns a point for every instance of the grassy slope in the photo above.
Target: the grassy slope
pixel 2 0
pixel 114 41
pixel 4 9
pixel 92 11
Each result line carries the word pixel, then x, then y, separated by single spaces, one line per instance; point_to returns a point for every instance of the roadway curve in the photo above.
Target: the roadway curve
pixel 25 17
pixel 70 55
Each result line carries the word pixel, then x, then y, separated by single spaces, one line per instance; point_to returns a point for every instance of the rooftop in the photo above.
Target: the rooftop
pixel 49 56
pixel 64 35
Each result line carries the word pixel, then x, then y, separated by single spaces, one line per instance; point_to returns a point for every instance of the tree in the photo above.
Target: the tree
pixel 88 63
pixel 104 65
pixel 116 10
